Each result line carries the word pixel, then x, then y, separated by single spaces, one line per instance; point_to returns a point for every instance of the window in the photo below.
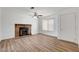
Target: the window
pixel 48 25
pixel 45 26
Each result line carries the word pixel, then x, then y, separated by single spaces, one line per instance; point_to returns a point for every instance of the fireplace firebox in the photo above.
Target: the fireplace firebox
pixel 22 30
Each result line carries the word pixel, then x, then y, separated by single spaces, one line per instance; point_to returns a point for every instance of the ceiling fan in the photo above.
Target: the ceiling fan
pixel 36 15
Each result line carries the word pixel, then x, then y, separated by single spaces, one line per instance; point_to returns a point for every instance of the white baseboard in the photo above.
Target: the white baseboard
pixel 67 40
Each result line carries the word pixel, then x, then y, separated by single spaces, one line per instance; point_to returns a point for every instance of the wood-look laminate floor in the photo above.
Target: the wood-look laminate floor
pixel 37 43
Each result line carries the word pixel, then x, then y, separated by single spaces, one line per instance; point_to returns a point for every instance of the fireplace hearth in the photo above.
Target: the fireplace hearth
pixel 22 30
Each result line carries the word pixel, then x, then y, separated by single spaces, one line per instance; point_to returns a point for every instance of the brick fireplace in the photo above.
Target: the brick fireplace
pixel 22 30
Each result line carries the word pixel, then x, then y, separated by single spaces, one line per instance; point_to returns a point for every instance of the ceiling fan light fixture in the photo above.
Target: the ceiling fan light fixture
pixel 35 17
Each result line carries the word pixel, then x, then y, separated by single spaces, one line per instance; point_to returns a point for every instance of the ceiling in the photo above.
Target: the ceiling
pixel 45 11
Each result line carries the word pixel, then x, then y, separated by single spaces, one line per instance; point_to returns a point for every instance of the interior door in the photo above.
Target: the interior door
pixel 67 27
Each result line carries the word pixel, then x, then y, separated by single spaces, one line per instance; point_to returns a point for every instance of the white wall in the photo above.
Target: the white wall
pixel 77 33
pixel 69 11
pixel 12 16
pixel 0 25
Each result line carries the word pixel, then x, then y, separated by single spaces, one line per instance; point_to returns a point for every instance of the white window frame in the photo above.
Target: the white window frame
pixel 48 24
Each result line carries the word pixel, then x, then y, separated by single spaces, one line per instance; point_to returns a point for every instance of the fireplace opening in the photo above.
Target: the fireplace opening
pixel 23 31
